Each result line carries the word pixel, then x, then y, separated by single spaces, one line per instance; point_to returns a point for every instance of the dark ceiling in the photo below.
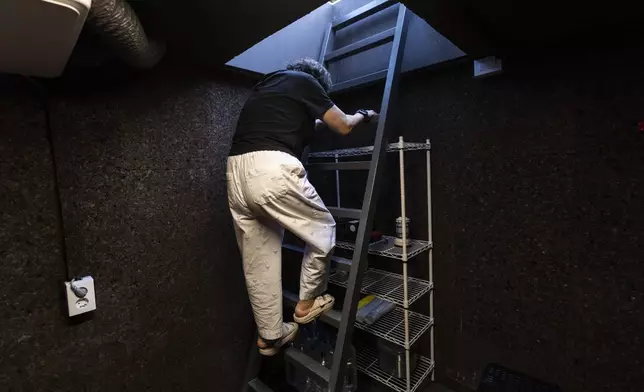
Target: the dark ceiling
pixel 511 26
pixel 213 32
pixel 209 32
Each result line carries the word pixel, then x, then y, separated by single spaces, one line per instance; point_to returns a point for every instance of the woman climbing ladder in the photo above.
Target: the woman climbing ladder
pixel 268 191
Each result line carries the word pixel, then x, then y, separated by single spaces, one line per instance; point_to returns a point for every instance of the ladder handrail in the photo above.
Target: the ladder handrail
pixel 325 43
pixel 366 215
pixel 374 180
pixel 362 13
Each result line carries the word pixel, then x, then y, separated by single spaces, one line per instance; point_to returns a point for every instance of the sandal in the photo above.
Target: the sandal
pixel 289 332
pixel 321 304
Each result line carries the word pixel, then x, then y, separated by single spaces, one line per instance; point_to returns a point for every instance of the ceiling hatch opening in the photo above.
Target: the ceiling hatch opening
pixel 305 36
pixel 302 38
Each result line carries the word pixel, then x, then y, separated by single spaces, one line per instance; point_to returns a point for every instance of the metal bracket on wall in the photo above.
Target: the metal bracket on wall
pixel 487 67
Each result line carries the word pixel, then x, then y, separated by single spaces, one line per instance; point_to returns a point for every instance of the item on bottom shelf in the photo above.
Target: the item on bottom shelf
pixel 499 378
pixel 364 307
pixel 398 241
pixel 365 301
pixel 382 309
pixel 391 359
pixel 372 309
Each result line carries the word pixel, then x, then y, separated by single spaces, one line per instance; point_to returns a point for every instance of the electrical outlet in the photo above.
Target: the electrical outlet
pixel 81 304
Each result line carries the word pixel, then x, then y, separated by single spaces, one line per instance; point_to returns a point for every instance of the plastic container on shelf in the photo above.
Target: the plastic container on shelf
pixel 398 241
pixel 373 310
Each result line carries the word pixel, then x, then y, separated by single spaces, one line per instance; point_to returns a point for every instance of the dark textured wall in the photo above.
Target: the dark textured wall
pixel 141 168
pixel 539 176
pixel 538 179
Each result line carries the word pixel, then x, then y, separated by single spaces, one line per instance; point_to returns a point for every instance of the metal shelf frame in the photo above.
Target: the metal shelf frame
pixel 401 326
pixel 368 150
pixel 400 289
pixel 403 214
pixel 386 285
pixel 386 248
pixel 390 327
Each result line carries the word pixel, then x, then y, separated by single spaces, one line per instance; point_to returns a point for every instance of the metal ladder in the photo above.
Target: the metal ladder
pixel 345 320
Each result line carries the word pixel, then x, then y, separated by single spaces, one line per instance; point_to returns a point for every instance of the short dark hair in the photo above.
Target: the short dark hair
pixel 314 69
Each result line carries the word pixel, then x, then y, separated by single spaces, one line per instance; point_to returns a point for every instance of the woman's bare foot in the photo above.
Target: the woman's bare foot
pixel 289 331
pixel 303 307
pixel 261 343
pixel 308 310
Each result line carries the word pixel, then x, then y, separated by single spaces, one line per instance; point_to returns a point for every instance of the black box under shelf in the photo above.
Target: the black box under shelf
pixel 497 378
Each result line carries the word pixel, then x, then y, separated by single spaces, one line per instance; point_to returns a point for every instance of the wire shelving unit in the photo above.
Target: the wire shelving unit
pixel 401 326
pixel 367 359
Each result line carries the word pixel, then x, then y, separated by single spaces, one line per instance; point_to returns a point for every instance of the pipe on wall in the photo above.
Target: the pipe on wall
pixel 116 23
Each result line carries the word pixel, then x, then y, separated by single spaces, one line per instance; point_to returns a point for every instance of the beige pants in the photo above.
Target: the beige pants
pixel 267 192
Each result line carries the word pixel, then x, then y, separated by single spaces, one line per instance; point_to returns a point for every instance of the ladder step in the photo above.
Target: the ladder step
pixel 351 213
pixel 332 317
pixel 362 45
pixel 343 262
pixel 312 367
pixel 256 385
pixel 357 165
pixel 389 327
pixel 372 77
pixel 362 13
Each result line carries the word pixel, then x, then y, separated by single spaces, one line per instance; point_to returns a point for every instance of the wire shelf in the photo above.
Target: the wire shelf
pixel 367 359
pixel 391 326
pixel 386 248
pixel 386 285
pixel 368 150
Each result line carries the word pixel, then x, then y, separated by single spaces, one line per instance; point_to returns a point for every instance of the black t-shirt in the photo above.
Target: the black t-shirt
pixel 280 114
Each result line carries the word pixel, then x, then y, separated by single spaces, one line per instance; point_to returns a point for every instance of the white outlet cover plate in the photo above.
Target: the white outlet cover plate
pixel 76 305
